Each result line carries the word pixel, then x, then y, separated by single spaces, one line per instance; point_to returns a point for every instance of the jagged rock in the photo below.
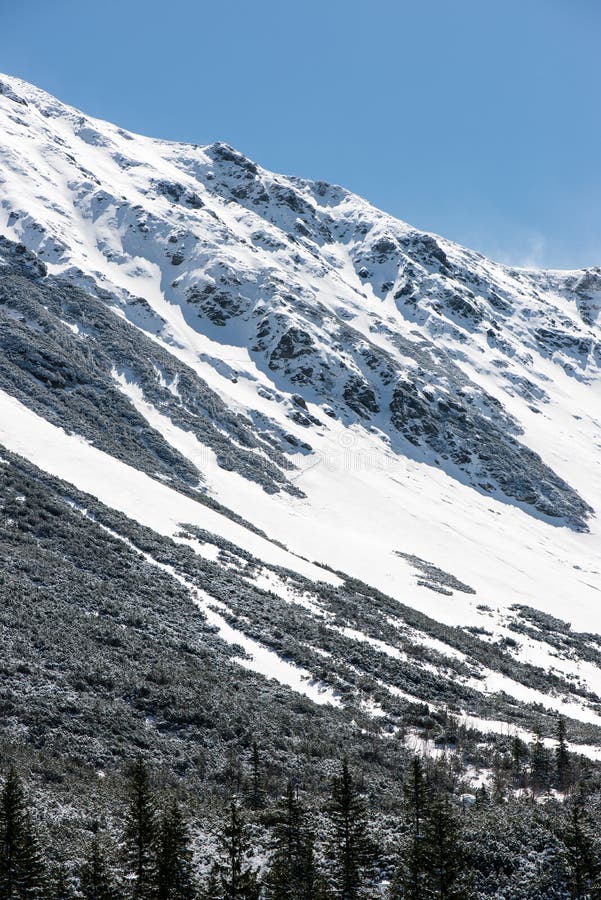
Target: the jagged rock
pixel 292 344
pixel 360 397
pixel 268 261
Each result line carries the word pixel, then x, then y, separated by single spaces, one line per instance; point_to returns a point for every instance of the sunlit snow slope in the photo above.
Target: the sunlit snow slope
pixel 379 400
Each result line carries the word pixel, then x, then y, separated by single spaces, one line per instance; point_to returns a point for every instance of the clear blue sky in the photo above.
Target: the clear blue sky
pixel 478 119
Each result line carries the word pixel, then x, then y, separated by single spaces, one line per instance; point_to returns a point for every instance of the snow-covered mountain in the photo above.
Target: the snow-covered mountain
pixel 393 437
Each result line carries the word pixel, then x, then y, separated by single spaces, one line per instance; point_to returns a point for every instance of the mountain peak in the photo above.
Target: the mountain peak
pixel 349 341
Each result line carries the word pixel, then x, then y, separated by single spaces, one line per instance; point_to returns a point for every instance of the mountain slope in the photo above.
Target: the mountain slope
pixel 208 348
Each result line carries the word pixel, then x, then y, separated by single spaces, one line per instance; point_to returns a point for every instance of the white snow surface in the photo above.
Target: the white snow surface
pixel 75 190
pixel 124 488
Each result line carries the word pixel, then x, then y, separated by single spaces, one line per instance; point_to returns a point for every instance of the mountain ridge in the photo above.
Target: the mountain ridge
pixel 206 347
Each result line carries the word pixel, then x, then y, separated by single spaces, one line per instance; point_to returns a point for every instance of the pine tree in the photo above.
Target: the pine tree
pixel 293 870
pixel 232 771
pixel 410 878
pixel 236 879
pixel 140 832
pixel 22 871
pixel 96 880
pixel 499 783
pixel 581 851
pixel 175 880
pixel 562 756
pixel 539 765
pixel 256 792
pixel 349 849
pixel 211 890
pixel 445 859
pixel 34 868
pixel 519 755
pixel 61 884
pixel 482 797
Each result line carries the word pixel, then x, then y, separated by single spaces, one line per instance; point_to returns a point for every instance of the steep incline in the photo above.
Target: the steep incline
pixel 196 341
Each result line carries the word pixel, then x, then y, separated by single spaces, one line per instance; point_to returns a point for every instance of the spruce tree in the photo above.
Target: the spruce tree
pixel 236 880
pixel 256 793
pixel 232 771
pixel 175 879
pixel 292 873
pixel 581 851
pixel 61 884
pixel 562 756
pixel 539 765
pixel 519 755
pixel 482 797
pixel 35 880
pixel 499 781
pixel 22 870
pixel 410 878
pixel 349 850
pixel 140 832
pixel 445 860
pixel 96 881
pixel 211 889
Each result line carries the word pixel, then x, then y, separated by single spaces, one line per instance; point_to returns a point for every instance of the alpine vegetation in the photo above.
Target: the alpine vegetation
pixel 299 540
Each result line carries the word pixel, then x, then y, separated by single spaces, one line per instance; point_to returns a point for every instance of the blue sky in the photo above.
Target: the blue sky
pixel 477 119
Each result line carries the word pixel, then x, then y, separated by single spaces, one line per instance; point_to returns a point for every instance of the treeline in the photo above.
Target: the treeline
pixel 530 832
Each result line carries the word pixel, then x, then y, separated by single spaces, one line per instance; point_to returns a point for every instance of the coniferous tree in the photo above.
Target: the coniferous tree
pixel 96 880
pixel 233 878
pixel 35 881
pixel 562 756
pixel 22 870
pixel 410 878
pixel 211 889
pixel 175 879
pixel 539 765
pixel 140 832
pixel 256 795
pixel 581 851
pixel 499 782
pixel 293 869
pixel 445 860
pixel 232 771
pixel 519 756
pixel 61 884
pixel 482 798
pixel 349 849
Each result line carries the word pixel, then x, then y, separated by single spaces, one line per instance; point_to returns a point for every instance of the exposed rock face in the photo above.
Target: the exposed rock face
pixel 379 325
pixel 257 436
pixel 61 348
